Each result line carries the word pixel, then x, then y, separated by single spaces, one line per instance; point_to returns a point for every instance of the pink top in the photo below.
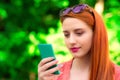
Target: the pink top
pixel 67 66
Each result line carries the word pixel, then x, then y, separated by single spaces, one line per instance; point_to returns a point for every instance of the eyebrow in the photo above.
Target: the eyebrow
pixel 77 29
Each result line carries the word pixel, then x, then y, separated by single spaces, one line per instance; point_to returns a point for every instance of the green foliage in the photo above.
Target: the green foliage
pixel 26 23
pixel 112 17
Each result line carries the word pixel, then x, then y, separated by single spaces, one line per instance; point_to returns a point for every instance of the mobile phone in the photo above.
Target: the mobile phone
pixel 46 50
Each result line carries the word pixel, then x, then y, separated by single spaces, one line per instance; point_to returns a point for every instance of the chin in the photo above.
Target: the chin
pixel 79 56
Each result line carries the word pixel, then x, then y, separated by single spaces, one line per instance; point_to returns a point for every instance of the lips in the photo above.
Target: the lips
pixel 75 49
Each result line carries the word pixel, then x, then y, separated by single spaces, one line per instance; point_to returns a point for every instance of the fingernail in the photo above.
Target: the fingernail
pixel 52 57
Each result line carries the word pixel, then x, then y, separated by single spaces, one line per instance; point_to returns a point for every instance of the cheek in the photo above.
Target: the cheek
pixel 86 39
pixel 66 41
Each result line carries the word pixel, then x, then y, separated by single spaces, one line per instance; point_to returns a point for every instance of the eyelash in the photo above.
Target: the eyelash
pixel 78 34
pixel 66 35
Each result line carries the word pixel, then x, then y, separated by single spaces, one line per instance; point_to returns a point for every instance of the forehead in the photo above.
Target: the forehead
pixel 71 23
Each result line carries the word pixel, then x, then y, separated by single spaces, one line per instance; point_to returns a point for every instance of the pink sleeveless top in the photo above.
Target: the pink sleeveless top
pixel 66 71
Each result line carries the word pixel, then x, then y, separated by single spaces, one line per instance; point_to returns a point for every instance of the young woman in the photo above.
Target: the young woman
pixel 86 38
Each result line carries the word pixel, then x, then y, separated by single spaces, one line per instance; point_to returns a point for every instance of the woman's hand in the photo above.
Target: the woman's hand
pixel 47 74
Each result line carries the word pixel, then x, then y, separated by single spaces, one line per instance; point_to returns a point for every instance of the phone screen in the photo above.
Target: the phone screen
pixel 46 50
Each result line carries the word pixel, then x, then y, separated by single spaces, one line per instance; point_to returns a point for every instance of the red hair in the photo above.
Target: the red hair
pixel 101 66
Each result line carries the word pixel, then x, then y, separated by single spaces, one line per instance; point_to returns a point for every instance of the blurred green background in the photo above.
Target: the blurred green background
pixel 26 23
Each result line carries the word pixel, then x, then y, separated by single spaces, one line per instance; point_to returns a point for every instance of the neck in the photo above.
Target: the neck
pixel 81 63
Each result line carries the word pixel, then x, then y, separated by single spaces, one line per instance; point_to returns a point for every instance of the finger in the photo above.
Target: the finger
pixel 48 65
pixel 44 74
pixel 45 60
pixel 52 70
pixel 51 77
pixel 46 77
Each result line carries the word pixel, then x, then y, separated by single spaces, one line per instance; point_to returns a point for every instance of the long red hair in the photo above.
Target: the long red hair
pixel 101 66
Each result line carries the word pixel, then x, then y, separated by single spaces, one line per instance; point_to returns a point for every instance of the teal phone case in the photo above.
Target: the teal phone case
pixel 46 51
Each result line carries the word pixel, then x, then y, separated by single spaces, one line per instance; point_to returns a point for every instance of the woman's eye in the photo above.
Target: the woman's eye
pixel 79 34
pixel 66 35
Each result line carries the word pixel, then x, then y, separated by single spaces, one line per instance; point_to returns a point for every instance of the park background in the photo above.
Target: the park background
pixel 26 23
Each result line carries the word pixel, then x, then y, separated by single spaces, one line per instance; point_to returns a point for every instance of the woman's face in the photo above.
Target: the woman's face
pixel 78 36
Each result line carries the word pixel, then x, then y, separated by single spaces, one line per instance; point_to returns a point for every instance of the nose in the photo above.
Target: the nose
pixel 72 39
